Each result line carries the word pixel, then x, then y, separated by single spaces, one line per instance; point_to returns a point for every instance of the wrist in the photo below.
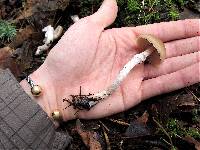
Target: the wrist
pixel 47 99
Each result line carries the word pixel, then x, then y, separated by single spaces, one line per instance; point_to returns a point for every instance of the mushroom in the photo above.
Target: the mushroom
pixel 149 41
pixel 75 18
pixel 150 47
pixel 50 36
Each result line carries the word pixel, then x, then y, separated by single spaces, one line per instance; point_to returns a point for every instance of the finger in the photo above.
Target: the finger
pixel 182 47
pixel 171 65
pixel 171 82
pixel 106 14
pixel 168 31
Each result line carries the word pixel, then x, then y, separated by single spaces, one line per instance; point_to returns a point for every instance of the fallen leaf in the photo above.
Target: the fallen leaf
pixel 6 61
pixel 144 118
pixel 192 141
pixel 138 127
pixel 186 100
pixel 89 137
pixel 34 6
pixel 22 35
pixel 2 11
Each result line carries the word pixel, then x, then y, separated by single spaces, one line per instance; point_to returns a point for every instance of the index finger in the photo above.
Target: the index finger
pixel 168 31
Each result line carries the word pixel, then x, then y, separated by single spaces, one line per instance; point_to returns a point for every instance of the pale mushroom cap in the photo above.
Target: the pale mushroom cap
pixel 58 32
pixel 148 41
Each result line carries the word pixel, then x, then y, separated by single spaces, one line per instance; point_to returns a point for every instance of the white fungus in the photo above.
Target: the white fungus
pixel 50 36
pixel 75 18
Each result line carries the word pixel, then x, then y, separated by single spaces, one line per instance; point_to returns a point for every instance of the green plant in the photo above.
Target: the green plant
pixel 133 5
pixel 193 133
pixel 173 14
pixel 180 2
pixel 175 130
pixel 120 2
pixel 7 31
pixel 195 116
pixel 137 12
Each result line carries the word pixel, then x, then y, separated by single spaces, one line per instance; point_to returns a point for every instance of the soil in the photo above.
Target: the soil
pixel 160 123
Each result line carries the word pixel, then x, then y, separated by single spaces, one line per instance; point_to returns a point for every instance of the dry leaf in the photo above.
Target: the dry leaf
pixel 89 137
pixel 22 35
pixel 144 118
pixel 6 61
pixel 33 6
pixel 192 141
pixel 138 127
pixel 186 100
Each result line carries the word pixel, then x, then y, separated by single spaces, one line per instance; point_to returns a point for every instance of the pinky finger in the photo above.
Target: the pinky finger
pixel 170 82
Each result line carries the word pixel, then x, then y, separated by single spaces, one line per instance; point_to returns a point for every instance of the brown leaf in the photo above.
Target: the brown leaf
pixel 89 137
pixel 186 100
pixel 22 35
pixel 34 6
pixel 192 141
pixel 2 11
pixel 144 118
pixel 6 61
pixel 138 127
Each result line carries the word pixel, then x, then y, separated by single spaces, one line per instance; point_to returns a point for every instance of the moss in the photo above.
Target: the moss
pixel 7 31
pixel 193 133
pixel 174 130
pixel 195 116
pixel 133 6
pixel 180 2
pixel 137 12
pixel 173 14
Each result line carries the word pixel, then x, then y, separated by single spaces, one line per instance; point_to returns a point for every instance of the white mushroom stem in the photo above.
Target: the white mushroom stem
pixel 75 18
pixel 42 48
pixel 136 59
pixel 50 36
pixel 49 30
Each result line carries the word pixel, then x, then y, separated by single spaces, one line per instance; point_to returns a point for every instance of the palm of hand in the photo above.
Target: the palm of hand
pixel 95 63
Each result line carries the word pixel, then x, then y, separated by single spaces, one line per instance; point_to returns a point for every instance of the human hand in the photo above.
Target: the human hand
pixel 91 57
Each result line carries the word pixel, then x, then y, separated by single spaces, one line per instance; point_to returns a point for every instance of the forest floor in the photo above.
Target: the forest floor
pixel 166 122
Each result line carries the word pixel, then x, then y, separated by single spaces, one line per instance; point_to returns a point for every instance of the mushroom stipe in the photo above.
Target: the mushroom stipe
pixel 149 45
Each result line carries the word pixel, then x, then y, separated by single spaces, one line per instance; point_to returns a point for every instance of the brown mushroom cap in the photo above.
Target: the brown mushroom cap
pixel 147 41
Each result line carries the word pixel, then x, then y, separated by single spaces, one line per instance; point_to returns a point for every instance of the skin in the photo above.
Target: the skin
pixel 89 56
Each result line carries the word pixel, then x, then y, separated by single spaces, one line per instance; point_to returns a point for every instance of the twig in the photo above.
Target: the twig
pixel 104 126
pixel 107 139
pixel 120 122
pixel 164 131
pixel 189 91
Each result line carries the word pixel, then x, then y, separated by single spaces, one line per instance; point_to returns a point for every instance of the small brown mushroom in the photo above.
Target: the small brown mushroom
pixel 147 41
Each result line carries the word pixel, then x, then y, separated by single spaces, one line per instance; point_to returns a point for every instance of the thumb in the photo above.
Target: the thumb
pixel 106 14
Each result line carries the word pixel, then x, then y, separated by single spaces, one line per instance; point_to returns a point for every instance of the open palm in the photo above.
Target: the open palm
pixel 91 57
